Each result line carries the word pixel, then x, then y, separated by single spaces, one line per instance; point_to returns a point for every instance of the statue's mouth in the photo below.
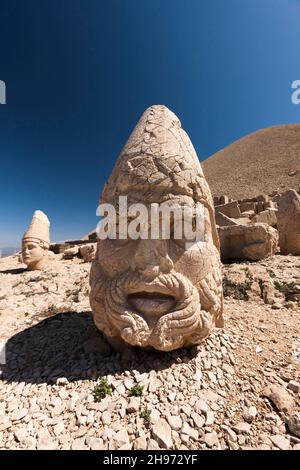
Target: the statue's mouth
pixel 151 305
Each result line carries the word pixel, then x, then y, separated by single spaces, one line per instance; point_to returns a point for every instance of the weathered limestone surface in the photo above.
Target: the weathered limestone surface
pixel 231 209
pixel 223 220
pixel 223 200
pixel 248 206
pixel 289 223
pixel 247 243
pixel 87 252
pixel 268 216
pixel 253 242
pixel 36 242
pixel 157 293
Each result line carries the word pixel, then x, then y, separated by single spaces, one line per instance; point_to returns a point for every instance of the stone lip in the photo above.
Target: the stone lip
pixel 151 306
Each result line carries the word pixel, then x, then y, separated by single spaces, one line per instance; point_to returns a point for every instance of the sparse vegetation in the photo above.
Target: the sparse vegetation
pixel 146 415
pixel 285 287
pixel 289 289
pixel 136 390
pixel 102 389
pixel 237 291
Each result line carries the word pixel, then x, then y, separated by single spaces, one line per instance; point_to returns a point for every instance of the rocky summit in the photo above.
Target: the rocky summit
pixel 62 386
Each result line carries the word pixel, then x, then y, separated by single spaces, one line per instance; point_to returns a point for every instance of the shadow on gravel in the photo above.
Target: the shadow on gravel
pixel 14 271
pixel 56 347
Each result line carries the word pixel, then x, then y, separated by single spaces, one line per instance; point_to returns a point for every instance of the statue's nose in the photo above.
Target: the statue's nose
pixel 151 258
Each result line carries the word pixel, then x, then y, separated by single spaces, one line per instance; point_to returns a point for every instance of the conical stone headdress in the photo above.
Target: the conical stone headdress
pixel 159 158
pixel 39 228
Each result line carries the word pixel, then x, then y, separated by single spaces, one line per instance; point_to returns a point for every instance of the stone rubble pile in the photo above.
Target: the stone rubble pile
pixel 253 229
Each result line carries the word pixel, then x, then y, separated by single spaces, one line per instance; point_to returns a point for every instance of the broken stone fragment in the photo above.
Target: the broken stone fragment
pixel 87 252
pixel 280 397
pixel 252 242
pixel 161 432
pixel 288 217
pixel 266 217
pixel 231 209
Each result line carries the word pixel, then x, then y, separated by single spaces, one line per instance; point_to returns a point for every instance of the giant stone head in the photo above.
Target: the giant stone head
pixel 158 292
pixel 36 242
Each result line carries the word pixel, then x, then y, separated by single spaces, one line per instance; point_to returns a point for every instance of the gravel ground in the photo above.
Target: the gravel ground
pixel 237 390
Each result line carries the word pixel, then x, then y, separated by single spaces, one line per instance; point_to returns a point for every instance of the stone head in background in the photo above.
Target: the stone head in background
pixel 36 242
pixel 157 293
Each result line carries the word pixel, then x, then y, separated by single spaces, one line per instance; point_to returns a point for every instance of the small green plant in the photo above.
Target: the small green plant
pixel 136 391
pixel 284 287
pixel 288 289
pixel 146 415
pixel 102 389
pixel 237 291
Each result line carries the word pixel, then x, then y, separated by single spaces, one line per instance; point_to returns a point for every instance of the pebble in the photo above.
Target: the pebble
pixel 161 432
pixel 21 435
pixel 58 428
pixel 294 386
pixel 153 445
pixel 62 381
pixel 280 397
pixel 79 444
pixel 140 443
pixel 5 423
pixel 198 420
pixel 45 441
pixel 133 405
pixel 242 428
pixel 108 434
pixel 121 437
pixel 228 369
pixel 106 418
pixel 280 441
pixel 211 439
pixel 201 406
pixel 250 414
pixel 175 422
pixel 18 415
pixel 154 416
pixel 293 423
pixel 210 418
pixel 95 443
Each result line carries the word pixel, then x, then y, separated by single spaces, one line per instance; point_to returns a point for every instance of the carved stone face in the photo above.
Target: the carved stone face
pixel 158 293
pixel 33 254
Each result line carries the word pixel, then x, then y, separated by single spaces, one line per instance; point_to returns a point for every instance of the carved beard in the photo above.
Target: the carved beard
pixel 186 324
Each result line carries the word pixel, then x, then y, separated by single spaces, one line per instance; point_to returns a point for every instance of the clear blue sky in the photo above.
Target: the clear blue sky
pixel 79 73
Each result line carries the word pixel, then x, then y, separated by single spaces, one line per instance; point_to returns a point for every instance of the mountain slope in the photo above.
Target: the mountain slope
pixel 259 163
